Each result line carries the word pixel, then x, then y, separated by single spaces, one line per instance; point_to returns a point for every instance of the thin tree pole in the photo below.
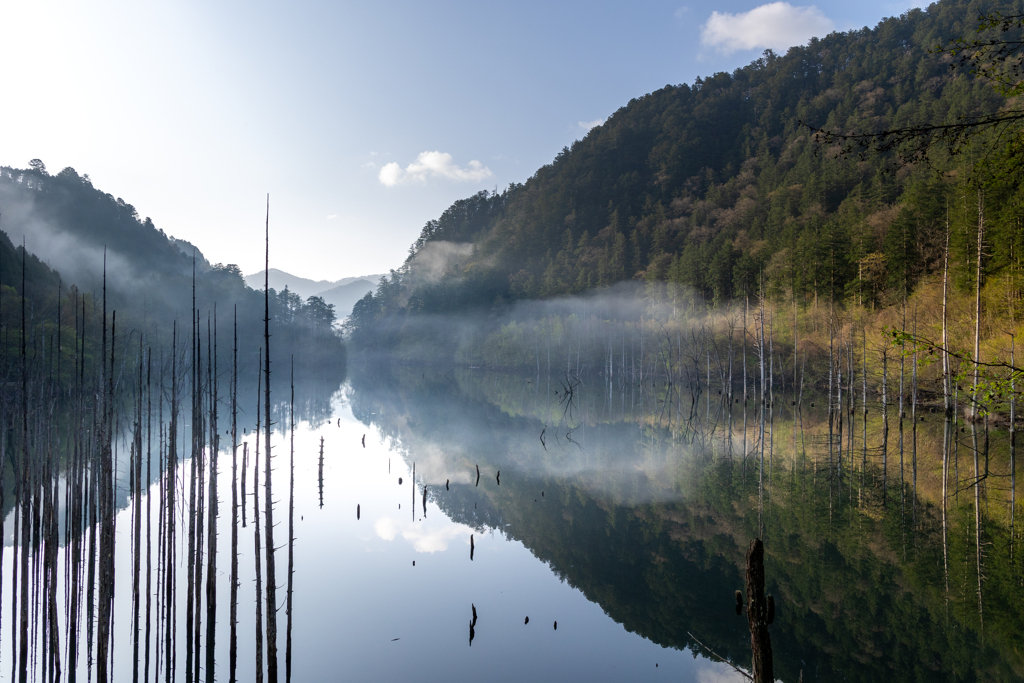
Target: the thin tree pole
pixel 233 637
pixel 268 492
pixel 947 389
pixel 256 521
pixel 211 553
pixel 137 520
pixel 977 304
pixel 1013 445
pixel 23 497
pixel 149 507
pixel 171 488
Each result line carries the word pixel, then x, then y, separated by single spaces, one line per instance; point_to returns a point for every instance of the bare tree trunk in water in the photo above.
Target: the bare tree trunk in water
pixel 977 305
pixel 211 554
pixel 137 522
pixel 975 410
pixel 149 509
pixel 947 389
pixel 171 486
pixel 1013 447
pixel 233 637
pixel 268 489
pixel 256 522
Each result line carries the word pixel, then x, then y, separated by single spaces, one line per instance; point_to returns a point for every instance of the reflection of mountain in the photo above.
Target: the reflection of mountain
pixel 655 529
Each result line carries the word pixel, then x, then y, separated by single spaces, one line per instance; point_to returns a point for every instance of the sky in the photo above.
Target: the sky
pixel 362 121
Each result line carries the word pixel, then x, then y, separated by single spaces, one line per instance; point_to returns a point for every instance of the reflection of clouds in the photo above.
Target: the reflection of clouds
pixel 717 673
pixel 386 528
pixel 425 538
pixel 435 465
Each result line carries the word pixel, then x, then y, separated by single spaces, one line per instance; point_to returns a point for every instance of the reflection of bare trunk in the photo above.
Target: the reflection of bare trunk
pixel 758 616
pixel 977 516
pixel 291 534
pixel 320 476
pixel 947 435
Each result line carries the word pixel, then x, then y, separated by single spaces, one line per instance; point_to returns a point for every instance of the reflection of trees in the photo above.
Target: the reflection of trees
pixel 654 530
pixel 314 392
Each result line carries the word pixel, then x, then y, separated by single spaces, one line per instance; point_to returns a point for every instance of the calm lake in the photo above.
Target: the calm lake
pixel 602 539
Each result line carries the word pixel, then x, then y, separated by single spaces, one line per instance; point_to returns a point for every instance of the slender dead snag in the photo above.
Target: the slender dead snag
pixel 211 553
pixel 233 635
pixel 267 483
pixel 190 558
pixel 171 487
pixel 256 535
pixel 947 391
pixel 137 523
pixel 149 508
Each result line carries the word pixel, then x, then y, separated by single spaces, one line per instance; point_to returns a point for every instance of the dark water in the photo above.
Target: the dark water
pixel 622 514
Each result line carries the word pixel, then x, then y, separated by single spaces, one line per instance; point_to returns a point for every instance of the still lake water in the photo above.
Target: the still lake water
pixel 622 514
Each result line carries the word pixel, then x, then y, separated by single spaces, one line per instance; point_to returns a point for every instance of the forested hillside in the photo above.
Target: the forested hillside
pixel 720 186
pixel 79 238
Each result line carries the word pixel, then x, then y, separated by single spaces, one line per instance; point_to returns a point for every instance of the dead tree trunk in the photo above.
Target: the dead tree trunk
pixel 758 615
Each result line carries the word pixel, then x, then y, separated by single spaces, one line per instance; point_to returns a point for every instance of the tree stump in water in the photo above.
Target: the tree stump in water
pixel 757 615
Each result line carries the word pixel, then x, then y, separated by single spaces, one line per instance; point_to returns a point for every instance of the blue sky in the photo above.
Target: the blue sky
pixel 362 120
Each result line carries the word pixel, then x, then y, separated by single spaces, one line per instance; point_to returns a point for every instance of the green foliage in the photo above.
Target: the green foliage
pixel 149 278
pixel 716 187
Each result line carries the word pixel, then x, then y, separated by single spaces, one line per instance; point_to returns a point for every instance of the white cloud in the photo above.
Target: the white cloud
pixel 332 216
pixel 432 165
pixel 777 25
pixel 587 125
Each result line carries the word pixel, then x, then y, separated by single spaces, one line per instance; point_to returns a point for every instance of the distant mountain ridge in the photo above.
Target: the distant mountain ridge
pixel 343 293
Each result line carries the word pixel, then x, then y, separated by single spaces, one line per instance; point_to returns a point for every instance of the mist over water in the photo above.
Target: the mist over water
pixel 437 508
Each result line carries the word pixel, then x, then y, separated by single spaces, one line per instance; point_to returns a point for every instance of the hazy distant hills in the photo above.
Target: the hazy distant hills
pixel 83 241
pixel 343 293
